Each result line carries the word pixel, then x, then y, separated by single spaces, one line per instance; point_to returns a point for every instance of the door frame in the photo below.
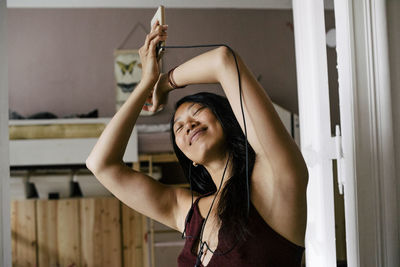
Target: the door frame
pixel 5 229
pixel 368 166
pixel 373 201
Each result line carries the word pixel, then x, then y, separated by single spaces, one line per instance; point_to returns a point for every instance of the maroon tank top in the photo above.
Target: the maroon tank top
pixel 264 246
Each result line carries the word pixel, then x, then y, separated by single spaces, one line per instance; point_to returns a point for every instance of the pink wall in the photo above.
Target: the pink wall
pixel 61 60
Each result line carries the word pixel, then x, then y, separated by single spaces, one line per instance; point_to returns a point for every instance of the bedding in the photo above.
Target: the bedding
pixel 152 139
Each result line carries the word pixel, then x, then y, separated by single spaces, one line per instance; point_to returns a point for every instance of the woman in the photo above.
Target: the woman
pixel 207 136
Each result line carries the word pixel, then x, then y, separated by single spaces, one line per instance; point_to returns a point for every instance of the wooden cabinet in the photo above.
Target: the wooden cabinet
pixel 76 232
pixel 90 232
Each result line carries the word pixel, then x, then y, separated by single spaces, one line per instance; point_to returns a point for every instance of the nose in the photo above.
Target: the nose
pixel 190 125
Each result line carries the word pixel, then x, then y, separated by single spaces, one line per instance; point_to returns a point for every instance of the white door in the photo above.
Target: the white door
pixel 366 153
pixel 372 231
pixel 317 145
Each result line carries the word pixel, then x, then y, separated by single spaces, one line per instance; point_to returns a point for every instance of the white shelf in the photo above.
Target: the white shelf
pixel 68 151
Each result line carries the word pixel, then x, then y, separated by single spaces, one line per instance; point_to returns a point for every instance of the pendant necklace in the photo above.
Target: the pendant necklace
pixel 203 243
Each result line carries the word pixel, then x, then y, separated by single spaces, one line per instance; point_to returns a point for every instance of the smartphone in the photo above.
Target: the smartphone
pixel 160 16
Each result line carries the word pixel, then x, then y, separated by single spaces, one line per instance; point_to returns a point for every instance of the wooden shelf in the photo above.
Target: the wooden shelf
pixel 158 158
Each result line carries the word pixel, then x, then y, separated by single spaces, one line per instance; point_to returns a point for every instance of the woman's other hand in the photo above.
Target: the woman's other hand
pixel 150 69
pixel 159 95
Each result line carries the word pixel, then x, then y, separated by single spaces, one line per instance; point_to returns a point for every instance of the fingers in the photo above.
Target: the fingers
pixel 154 26
pixel 152 104
pixel 155 41
pixel 147 53
pixel 156 30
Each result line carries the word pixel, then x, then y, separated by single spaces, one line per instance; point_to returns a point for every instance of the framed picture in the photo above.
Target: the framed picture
pixel 128 72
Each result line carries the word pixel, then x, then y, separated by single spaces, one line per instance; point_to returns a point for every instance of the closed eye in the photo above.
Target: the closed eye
pixel 177 129
pixel 197 111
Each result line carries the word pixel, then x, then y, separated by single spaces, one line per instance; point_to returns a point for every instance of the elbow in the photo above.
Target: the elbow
pixel 225 54
pixel 90 164
pixel 225 57
pixel 94 165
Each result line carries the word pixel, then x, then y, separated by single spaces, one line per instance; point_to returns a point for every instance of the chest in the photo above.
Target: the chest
pixel 263 247
pixel 206 244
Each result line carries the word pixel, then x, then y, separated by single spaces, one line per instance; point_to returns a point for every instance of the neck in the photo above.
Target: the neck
pixel 216 169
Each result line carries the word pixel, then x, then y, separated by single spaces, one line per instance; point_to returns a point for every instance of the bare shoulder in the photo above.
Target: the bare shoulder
pixel 183 205
pixel 280 201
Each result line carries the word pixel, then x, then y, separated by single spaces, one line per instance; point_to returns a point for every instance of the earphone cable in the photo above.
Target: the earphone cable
pixel 198 260
pixel 241 106
pixel 208 213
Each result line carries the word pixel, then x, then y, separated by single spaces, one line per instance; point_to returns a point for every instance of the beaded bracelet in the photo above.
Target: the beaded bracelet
pixel 171 79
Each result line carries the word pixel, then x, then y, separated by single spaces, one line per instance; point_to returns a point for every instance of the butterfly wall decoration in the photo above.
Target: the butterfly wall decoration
pixel 127 72
pixel 126 67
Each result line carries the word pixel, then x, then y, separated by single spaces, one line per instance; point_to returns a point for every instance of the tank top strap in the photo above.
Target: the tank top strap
pixel 196 202
pixel 192 208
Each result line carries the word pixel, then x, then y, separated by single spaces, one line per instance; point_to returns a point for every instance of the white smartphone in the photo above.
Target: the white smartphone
pixel 160 16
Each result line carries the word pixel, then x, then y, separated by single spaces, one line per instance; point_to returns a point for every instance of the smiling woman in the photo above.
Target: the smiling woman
pixel 194 120
pixel 208 136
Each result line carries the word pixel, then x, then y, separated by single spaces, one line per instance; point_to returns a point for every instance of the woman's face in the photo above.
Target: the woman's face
pixel 198 133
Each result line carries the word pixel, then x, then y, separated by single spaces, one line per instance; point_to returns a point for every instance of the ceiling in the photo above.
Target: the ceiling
pixel 243 4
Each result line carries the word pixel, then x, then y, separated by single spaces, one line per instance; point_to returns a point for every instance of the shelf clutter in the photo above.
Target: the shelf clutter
pixel 65 183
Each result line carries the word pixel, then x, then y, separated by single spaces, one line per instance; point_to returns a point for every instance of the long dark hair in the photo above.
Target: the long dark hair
pixel 232 206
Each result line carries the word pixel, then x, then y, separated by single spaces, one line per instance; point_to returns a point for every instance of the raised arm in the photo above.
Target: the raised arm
pixel 280 174
pixel 266 133
pixel 140 192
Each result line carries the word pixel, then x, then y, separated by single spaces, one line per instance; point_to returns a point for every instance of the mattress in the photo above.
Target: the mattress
pixel 57 131
pixel 151 138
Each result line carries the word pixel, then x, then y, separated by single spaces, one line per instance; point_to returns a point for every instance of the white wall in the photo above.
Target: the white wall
pixel 5 232
pixel 393 11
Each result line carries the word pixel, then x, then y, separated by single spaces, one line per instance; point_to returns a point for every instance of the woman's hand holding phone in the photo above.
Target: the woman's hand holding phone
pixel 151 76
pixel 150 68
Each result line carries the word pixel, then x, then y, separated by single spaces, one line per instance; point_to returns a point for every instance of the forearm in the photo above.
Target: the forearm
pixel 199 70
pixel 112 143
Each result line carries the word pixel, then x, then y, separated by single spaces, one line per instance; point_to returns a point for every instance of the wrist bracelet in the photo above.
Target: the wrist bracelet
pixel 171 79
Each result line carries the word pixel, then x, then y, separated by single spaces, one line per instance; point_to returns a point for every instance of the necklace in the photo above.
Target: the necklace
pixel 203 243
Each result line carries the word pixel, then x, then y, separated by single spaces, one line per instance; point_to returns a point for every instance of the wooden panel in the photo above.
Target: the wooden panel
pixel 136 166
pixel 158 158
pixel 68 232
pixel 58 232
pixel 132 237
pixel 100 232
pixel 146 244
pixel 23 233
pixel 58 131
pixel 47 232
